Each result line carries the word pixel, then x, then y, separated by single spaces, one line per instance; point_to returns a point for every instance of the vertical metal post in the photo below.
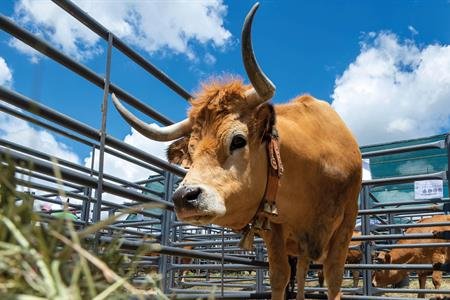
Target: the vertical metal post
pixel 390 219
pixel 222 263
pixel 259 253
pixel 177 236
pixel 367 247
pixel 174 238
pixel 165 231
pixel 207 275
pixel 447 144
pixel 86 208
pixel 99 191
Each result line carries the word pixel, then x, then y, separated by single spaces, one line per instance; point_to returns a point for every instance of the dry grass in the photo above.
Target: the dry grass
pixel 51 260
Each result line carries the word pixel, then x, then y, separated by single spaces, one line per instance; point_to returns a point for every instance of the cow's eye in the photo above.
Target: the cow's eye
pixel 237 142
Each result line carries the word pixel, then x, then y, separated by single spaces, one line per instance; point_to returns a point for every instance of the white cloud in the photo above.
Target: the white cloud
pixel 395 90
pixel 126 170
pixel 25 49
pixel 5 73
pixel 21 132
pixel 149 25
pixel 210 59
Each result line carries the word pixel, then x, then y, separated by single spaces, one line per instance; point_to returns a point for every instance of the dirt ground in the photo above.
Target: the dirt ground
pixel 348 283
pixel 413 284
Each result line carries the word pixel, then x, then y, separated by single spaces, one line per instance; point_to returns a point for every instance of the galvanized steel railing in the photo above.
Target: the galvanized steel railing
pixel 211 244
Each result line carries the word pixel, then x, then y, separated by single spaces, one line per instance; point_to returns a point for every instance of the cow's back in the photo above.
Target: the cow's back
pixel 315 138
pixel 425 254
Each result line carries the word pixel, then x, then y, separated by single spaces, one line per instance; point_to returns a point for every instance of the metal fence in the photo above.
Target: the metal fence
pixel 215 258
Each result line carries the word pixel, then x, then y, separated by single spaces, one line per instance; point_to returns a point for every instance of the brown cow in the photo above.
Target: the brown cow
pixel 383 278
pixel 354 256
pixel 187 261
pixel 180 260
pixel 226 137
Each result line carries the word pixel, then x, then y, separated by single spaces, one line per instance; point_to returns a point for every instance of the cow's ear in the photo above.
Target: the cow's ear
pixel 178 153
pixel 264 120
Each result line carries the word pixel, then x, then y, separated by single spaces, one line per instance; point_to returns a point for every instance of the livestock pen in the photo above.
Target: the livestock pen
pixel 217 260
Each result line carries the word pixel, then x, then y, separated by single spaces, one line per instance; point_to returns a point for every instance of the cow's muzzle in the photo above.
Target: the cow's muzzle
pixel 197 203
pixel 187 197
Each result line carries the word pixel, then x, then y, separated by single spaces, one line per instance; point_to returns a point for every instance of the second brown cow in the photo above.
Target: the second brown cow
pixel 433 255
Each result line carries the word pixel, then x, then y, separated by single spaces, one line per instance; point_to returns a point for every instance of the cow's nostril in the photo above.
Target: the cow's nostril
pixel 186 196
pixel 192 194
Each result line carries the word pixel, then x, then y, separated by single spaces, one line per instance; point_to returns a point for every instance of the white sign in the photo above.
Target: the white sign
pixel 428 189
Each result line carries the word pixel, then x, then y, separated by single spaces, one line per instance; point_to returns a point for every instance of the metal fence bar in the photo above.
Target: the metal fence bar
pixel 68 193
pixel 431 145
pixel 165 230
pixel 86 210
pixel 104 109
pixel 168 250
pixel 435 207
pixel 101 31
pixel 32 106
pixel 416 225
pixel 69 175
pixel 414 202
pixel 70 164
pixel 401 236
pixel 45 48
pixel 267 295
pixel 447 144
pixel 366 246
pixel 418 245
pixel 111 145
pixel 20 115
pixel 405 179
pixel 411 291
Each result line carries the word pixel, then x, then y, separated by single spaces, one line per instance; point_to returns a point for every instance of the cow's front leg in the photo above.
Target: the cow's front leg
pixel 279 269
pixel 422 283
pixel 437 275
pixel 355 275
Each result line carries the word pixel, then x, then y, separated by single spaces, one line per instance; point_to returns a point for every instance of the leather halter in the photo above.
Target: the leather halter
pixel 267 207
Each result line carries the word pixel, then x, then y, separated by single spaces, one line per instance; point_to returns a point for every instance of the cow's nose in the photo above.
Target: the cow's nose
pixel 186 197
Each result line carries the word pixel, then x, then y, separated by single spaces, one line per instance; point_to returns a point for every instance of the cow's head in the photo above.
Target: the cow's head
pixel 382 278
pixel 221 142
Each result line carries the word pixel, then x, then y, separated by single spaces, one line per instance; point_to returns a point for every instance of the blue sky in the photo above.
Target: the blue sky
pixel 372 56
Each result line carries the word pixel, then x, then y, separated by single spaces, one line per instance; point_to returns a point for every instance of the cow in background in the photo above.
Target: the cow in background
pixel 187 261
pixel 382 278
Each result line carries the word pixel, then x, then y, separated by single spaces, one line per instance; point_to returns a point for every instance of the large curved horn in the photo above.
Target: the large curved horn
pixel 153 131
pixel 264 89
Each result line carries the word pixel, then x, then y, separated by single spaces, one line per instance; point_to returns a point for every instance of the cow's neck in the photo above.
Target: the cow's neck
pixel 267 207
pixel 401 256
